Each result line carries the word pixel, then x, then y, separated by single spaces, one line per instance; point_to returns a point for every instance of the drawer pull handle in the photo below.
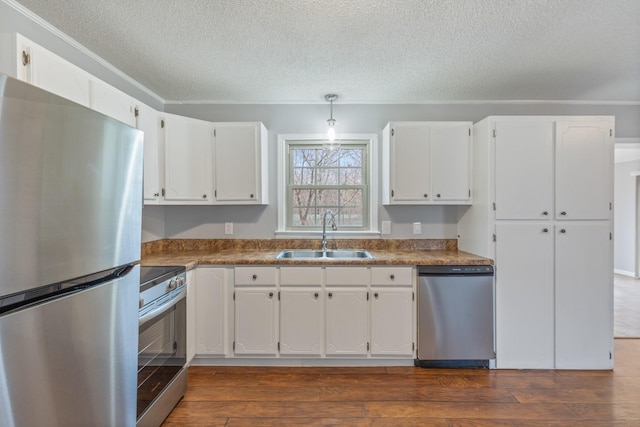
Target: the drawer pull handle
pixel 392 277
pixel 254 277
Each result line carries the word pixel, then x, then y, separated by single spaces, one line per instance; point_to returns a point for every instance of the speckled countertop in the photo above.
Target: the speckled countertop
pixel 193 252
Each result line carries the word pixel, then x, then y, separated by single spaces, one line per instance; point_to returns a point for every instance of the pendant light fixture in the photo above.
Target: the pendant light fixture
pixel 331 130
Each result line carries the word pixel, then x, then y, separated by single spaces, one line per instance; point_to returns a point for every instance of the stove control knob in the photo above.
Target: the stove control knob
pixel 173 284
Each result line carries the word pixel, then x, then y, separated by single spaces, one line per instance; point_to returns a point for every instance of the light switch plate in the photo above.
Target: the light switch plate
pixel 417 228
pixel 386 227
pixel 228 228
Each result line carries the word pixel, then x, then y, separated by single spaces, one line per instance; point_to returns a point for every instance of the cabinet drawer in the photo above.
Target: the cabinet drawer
pixel 255 276
pixel 385 276
pixel 292 276
pixel 349 276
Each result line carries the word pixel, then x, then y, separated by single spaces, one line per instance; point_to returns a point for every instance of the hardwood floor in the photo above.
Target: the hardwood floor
pixel 408 396
pixel 626 307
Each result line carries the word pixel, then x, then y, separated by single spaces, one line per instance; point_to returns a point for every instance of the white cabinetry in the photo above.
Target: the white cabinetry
pixel 426 163
pixel 301 311
pixel 112 102
pixel 188 159
pixel 256 311
pixel 240 163
pixel 42 68
pixel 392 314
pixel 212 308
pixel 147 120
pixel 542 210
pixel 191 315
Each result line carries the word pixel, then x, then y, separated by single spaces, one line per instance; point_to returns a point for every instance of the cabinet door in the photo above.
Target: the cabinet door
pixel 256 321
pixel 111 102
pixel 191 315
pixel 392 322
pixel 584 296
pixel 524 296
pixel 54 74
pixel 211 308
pixel 524 169
pixel 584 169
pixel 410 172
pixel 301 321
pixel 346 321
pixel 237 162
pixel 188 159
pixel 147 121
pixel 450 158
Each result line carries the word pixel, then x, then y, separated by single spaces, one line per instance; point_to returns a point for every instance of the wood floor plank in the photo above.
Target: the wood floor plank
pixel 241 409
pixel 214 392
pixel 341 422
pixel 432 394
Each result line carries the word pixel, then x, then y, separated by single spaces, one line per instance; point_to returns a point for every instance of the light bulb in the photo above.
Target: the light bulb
pixel 331 133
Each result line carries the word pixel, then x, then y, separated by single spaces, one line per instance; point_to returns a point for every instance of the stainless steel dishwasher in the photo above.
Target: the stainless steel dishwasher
pixel 455 316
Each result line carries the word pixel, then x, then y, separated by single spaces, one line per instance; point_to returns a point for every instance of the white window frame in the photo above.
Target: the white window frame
pixel 371 140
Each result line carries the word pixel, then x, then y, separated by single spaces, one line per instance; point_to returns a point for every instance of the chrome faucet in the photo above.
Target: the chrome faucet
pixel 334 227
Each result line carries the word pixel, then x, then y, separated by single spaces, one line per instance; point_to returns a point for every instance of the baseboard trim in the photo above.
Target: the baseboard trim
pixel 624 272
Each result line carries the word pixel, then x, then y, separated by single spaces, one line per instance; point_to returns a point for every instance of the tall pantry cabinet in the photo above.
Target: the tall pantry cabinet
pixel 543 200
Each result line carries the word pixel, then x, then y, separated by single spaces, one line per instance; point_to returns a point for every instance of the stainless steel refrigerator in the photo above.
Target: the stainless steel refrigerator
pixel 70 221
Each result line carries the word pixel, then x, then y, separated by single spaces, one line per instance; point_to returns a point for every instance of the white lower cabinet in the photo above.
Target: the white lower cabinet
pixel 346 322
pixel 392 322
pixel 301 322
pixel 212 289
pixel 191 315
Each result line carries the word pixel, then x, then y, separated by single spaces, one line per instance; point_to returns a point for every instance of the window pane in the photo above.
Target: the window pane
pixel 350 157
pixel 327 177
pixel 303 157
pixel 351 176
pixel 327 198
pixel 328 158
pixel 303 197
pixel 350 217
pixel 304 217
pixel 303 176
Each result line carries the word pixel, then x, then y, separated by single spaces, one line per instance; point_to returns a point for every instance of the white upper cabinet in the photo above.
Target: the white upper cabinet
pixel 584 152
pixel 240 163
pixel 44 69
pixel 524 169
pixel 112 102
pixel 426 163
pixel 450 162
pixel 188 159
pixel 147 120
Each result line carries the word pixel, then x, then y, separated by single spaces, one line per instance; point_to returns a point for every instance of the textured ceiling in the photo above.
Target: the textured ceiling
pixel 374 51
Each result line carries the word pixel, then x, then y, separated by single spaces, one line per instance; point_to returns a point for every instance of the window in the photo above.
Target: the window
pixel 316 178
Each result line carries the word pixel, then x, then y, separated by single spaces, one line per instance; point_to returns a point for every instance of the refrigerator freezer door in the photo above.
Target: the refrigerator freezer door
pixel 72 361
pixel 70 189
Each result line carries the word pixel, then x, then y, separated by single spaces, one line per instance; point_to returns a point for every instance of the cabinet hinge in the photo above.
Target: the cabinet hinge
pixel 494 133
pixel 393 132
pixel 610 236
pixel 494 206
pixel 469 131
pixel 278 346
pixel 215 193
pixel 367 296
pixel 163 192
pixel 136 112
pixel 469 192
pixel 392 193
pixel 26 58
pixel 278 295
pixel 610 356
pixel 367 346
pixel 494 237
pixel 214 133
pixel 610 132
pixel 413 346
pixel 162 124
pixel 610 206
pixel 233 346
pixel 234 295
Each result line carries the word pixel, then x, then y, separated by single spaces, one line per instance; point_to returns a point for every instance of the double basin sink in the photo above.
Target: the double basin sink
pixel 350 254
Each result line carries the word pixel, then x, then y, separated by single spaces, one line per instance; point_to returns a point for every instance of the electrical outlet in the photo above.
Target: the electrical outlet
pixel 228 228
pixel 386 227
pixel 417 228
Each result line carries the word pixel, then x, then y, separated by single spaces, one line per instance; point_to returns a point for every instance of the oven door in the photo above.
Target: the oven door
pixel 161 355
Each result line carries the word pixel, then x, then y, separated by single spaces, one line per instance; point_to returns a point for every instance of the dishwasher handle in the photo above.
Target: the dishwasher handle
pixel 455 270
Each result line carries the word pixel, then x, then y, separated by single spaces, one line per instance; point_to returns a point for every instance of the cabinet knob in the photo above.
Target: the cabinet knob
pixel 251 196
pixel 254 277
pixel 330 294
pixel 562 230
pixel 204 196
pixel 156 194
pixel 270 294
pixel 545 213
pixel 438 195
pixel 426 195
pixel 545 230
pixel 315 295
pixel 392 277
pixel 375 295
pixel 563 213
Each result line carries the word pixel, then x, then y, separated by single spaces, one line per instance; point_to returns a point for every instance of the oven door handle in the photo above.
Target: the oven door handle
pixel 159 311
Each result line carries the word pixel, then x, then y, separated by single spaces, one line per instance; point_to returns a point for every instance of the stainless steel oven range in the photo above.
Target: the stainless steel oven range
pixel 162 374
